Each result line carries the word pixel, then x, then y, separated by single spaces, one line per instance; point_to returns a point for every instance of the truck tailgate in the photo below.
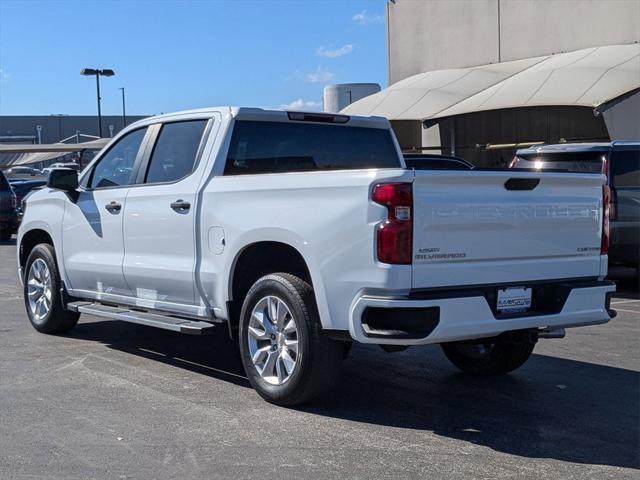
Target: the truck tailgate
pixel 498 227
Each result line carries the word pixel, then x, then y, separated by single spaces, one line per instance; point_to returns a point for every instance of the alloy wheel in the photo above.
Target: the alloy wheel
pixel 273 340
pixel 39 289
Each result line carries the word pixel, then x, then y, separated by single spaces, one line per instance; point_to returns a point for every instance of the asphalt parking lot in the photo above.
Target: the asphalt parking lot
pixel 115 400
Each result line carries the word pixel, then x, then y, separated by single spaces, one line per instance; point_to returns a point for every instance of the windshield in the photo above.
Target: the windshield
pixel 578 162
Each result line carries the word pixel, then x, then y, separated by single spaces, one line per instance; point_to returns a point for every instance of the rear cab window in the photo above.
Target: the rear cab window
pixel 577 162
pixel 278 147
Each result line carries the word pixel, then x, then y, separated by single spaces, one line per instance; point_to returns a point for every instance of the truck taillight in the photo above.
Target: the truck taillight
pixel 606 206
pixel 613 197
pixel 395 236
pixel 613 204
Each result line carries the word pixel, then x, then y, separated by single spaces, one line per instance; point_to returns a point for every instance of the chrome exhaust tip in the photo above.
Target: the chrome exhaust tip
pixel 552 333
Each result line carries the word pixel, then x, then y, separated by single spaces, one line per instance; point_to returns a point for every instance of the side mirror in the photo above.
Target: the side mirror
pixel 66 180
pixel 63 179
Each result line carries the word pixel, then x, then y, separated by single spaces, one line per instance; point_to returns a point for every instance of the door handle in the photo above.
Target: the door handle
pixel 113 207
pixel 181 206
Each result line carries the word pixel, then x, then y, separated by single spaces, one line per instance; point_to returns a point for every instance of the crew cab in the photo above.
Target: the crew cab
pixel 305 232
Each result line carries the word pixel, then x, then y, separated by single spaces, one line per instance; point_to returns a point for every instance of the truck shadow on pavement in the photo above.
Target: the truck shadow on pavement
pixel 551 408
pixel 211 355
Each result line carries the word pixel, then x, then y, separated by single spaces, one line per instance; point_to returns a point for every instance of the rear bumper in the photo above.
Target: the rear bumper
pixel 452 316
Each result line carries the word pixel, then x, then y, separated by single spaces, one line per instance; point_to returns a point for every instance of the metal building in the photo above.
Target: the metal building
pixel 54 128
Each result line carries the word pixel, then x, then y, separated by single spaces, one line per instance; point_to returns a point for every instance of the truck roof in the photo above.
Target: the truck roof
pixel 254 113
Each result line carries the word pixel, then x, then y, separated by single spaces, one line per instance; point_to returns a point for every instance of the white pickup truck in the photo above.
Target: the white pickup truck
pixel 304 232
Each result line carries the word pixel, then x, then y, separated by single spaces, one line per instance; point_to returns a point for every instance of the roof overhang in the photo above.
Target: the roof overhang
pixel 587 77
pixel 54 147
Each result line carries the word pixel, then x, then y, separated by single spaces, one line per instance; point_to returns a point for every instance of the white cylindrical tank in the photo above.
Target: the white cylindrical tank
pixel 338 96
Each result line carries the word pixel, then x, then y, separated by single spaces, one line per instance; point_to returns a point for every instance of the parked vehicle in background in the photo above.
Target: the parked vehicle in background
pixel 303 232
pixel 22 187
pixel 70 165
pixel 8 209
pixel 22 172
pixel 620 162
pixel 427 161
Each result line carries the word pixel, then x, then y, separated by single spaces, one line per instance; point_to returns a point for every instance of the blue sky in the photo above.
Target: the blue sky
pixel 173 55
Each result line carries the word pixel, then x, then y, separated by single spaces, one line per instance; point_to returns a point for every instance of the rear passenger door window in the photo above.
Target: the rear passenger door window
pixel 175 151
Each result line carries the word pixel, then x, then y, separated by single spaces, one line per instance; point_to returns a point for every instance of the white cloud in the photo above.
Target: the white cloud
pixel 300 104
pixel 320 75
pixel 364 18
pixel 338 52
pixel 4 76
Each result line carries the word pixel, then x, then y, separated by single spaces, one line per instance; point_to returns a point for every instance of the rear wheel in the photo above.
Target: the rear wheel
pixel 491 356
pixel 42 293
pixel 287 357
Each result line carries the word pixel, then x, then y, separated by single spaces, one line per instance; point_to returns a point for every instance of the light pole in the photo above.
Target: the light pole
pixel 106 72
pixel 124 111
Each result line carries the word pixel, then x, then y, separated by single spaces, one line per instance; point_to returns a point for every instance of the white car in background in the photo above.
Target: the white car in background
pixel 21 172
pixel 69 165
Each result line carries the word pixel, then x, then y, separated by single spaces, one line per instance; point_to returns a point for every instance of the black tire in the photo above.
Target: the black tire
pixel 5 235
pixel 56 320
pixel 491 356
pixel 318 357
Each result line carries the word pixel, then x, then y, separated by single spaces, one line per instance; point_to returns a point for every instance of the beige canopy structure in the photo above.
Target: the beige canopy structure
pixel 588 77
pixel 24 154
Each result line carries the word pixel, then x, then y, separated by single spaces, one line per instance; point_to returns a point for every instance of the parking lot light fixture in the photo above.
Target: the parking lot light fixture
pixel 105 72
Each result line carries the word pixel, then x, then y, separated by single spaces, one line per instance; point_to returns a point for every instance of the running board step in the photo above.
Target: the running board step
pixel 166 322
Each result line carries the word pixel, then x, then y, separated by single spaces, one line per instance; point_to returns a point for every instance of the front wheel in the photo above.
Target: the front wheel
pixel 491 356
pixel 42 293
pixel 287 357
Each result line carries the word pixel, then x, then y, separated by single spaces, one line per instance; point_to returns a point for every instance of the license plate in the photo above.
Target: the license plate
pixel 514 299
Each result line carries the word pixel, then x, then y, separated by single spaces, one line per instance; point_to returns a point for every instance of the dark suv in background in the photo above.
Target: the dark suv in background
pixel 620 162
pixel 8 210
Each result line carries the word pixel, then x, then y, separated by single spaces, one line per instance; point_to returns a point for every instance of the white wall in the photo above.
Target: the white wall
pixel 426 35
